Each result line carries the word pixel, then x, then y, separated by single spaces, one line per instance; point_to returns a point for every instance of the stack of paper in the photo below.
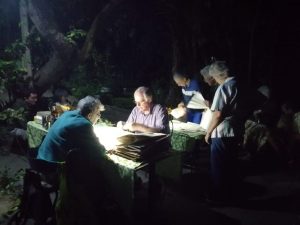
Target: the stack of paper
pixel 181 126
pixel 197 102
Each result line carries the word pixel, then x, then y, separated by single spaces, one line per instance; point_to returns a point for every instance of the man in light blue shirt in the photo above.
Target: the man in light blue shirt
pixel 224 132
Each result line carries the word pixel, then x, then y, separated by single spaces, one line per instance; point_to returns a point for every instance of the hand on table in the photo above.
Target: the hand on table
pixel 120 124
pixel 128 126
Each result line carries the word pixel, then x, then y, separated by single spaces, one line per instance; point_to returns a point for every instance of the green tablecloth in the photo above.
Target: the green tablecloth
pixel 184 139
pixel 35 133
pixel 181 140
pixel 120 172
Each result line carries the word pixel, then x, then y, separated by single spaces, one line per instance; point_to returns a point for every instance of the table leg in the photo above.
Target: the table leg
pixel 151 187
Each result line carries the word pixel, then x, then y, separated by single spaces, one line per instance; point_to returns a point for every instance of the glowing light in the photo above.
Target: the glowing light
pixel 108 136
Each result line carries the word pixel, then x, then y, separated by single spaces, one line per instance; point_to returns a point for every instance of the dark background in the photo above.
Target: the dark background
pixel 145 39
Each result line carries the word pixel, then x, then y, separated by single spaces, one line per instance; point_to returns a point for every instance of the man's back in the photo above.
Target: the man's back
pixel 70 131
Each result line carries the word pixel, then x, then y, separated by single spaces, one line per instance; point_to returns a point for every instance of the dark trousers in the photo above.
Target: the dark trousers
pixel 223 160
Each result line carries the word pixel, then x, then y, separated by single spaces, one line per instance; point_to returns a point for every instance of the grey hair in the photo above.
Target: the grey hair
pixel 87 105
pixel 205 71
pixel 145 92
pixel 218 68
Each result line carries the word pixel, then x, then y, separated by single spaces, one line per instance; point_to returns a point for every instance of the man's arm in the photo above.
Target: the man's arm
pixel 131 119
pixel 161 123
pixel 143 128
pixel 89 142
pixel 215 121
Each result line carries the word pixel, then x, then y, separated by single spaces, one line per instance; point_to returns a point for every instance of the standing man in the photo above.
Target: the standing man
pixel 189 87
pixel 212 83
pixel 223 133
pixel 146 116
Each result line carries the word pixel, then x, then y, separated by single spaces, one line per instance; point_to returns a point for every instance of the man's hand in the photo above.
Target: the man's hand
pixel 120 124
pixel 128 126
pixel 207 138
pixel 181 105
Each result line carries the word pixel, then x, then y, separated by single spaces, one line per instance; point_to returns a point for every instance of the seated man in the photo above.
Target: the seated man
pixel 146 116
pixel 74 129
pixel 86 187
pixel 29 104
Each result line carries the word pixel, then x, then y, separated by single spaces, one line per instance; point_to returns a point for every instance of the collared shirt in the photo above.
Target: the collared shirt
pixel 190 90
pixel 225 101
pixel 157 118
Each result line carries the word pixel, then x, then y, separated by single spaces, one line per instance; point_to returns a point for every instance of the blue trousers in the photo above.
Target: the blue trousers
pixel 194 116
pixel 223 160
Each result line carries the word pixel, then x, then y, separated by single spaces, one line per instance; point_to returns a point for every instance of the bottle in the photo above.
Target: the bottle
pixel 54 112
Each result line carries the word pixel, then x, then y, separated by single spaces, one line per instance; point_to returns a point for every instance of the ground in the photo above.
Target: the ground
pixel 271 198
pixel 274 198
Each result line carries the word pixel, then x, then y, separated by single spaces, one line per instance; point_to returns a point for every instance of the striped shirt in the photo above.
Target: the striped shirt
pixel 225 101
pixel 157 118
pixel 190 90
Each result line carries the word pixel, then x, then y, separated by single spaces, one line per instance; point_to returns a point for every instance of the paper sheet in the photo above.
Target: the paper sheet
pixel 178 112
pixel 181 126
pixel 197 102
pixel 206 118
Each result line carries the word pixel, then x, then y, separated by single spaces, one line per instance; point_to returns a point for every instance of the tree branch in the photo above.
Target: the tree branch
pixel 63 57
pixel 101 18
pixel 42 16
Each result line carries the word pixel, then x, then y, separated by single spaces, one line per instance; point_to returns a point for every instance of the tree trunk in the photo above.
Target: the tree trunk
pixel 26 59
pixel 98 22
pixel 64 56
pixel 42 17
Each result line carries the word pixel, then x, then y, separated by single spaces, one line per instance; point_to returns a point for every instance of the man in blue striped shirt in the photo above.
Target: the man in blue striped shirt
pixel 224 132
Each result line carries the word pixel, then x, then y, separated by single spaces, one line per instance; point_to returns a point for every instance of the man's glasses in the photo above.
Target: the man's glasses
pixel 139 102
